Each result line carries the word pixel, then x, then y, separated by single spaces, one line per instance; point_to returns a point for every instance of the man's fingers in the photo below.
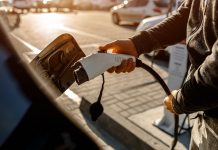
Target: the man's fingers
pixel 111 70
pixel 122 67
pixel 125 66
pixel 131 65
pixel 168 103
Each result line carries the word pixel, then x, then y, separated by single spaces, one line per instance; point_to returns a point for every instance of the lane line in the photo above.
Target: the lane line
pixel 73 96
pixel 33 48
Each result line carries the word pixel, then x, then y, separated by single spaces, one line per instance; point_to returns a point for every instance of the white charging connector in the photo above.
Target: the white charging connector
pixel 97 63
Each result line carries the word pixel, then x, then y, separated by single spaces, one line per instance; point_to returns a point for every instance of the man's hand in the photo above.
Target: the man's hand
pixel 122 47
pixel 168 102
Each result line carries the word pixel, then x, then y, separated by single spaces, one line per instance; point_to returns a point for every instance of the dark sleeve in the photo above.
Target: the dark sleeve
pixel 200 92
pixel 170 31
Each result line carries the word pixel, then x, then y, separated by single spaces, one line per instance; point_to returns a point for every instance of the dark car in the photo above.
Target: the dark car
pixel 29 119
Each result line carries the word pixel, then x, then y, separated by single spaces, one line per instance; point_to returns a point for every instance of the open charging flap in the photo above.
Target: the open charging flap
pixel 57 61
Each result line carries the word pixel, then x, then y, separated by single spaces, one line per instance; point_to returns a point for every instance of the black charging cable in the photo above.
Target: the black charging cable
pixel 140 64
pixel 96 109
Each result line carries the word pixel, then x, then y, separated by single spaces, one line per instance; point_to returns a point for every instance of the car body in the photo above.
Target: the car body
pixel 60 4
pixel 104 4
pixel 136 10
pixel 83 4
pixel 5 6
pixel 150 22
pixel 42 3
pixel 22 4
pixel 10 16
pixel 29 119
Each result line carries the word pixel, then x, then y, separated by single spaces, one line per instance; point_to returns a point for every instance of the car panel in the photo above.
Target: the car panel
pixel 136 10
pixel 149 22
pixel 5 6
pixel 22 4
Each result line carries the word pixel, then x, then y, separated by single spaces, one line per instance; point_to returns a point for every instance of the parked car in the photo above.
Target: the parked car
pixel 83 4
pixel 9 15
pixel 41 4
pixel 149 22
pixel 62 4
pixel 152 21
pixel 29 116
pixel 6 6
pixel 104 4
pixel 136 10
pixel 22 5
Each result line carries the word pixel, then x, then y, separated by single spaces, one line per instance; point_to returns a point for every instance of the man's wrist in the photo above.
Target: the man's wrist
pixel 175 105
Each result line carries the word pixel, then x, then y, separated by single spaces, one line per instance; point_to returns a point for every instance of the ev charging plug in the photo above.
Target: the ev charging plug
pixel 96 64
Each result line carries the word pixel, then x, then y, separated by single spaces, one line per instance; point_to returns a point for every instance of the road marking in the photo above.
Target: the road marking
pixel 62 27
pixel 73 96
pixel 34 51
pixel 33 48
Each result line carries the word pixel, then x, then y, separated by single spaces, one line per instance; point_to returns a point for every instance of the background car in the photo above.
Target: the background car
pixel 39 5
pixel 105 4
pixel 152 21
pixel 6 6
pixel 10 16
pixel 83 4
pixel 63 4
pixel 136 10
pixel 29 119
pixel 22 5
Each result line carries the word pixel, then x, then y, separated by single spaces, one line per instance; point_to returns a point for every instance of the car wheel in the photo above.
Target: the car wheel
pixel 115 19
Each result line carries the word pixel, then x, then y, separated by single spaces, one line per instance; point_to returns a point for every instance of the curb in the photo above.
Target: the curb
pixel 123 130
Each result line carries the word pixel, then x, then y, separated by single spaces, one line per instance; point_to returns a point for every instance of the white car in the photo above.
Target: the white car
pixel 22 4
pixel 105 4
pixel 136 10
pixel 83 4
pixel 150 22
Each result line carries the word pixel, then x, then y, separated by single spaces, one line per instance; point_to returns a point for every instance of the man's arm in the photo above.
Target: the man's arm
pixel 170 31
pixel 201 91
